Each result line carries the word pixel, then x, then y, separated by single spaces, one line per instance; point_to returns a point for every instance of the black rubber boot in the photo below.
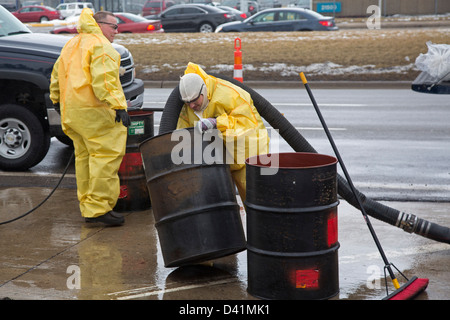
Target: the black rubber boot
pixel 110 218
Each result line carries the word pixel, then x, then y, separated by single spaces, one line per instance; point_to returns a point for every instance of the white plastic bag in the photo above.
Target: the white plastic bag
pixel 436 62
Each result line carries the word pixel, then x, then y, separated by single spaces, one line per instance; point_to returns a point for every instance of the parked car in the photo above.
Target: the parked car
pixel 132 23
pixel 253 6
pixel 127 22
pixel 37 14
pixel 282 19
pixel 238 15
pixel 73 8
pixel 155 7
pixel 192 18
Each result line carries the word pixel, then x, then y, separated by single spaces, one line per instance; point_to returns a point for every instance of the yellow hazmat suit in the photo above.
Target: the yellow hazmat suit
pixel 85 81
pixel 237 119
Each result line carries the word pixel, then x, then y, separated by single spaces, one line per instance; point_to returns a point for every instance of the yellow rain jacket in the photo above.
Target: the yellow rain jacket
pixel 85 81
pixel 238 120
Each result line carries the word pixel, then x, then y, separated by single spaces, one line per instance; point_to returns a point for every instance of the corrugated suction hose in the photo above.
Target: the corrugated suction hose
pixel 408 222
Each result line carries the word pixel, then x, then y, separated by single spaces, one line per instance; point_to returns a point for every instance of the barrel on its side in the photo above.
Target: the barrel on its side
pixel 133 186
pixel 292 227
pixel 194 203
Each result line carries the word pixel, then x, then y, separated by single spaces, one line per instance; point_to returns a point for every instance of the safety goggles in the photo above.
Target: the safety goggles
pixel 199 93
pixel 114 26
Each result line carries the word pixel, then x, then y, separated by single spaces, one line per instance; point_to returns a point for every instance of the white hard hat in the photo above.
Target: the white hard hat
pixel 191 86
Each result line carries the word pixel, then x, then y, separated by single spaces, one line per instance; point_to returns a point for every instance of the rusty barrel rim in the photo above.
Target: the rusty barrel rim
pixel 320 160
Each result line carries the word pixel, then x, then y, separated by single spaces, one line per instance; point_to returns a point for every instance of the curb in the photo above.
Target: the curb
pixel 296 84
pixel 396 24
pixel 19 179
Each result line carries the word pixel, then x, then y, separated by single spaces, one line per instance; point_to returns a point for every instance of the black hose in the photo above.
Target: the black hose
pixel 408 222
pixel 171 112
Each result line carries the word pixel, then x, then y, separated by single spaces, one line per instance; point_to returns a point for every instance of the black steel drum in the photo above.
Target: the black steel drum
pixel 292 240
pixel 194 203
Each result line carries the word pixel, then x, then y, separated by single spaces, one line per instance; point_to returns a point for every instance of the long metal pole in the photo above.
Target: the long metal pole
pixel 347 176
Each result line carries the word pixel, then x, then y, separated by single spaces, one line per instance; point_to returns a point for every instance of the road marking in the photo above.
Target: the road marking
pixel 403 186
pixel 34 174
pixel 298 128
pixel 393 253
pixel 317 128
pixel 320 104
pixel 294 104
pixel 154 290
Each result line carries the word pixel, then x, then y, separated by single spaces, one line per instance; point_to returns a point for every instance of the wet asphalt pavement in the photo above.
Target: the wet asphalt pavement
pixel 52 254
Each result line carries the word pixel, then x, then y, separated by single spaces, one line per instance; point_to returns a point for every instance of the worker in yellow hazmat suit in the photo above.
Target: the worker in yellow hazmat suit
pixel 85 83
pixel 210 103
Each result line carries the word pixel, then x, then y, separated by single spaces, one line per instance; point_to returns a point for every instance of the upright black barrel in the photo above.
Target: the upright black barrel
pixel 194 203
pixel 133 186
pixel 292 243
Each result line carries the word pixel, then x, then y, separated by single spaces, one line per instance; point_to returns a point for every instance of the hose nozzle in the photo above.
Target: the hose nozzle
pixel 410 223
pixel 407 222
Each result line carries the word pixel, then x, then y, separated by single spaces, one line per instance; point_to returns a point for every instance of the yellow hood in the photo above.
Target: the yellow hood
pixel 87 24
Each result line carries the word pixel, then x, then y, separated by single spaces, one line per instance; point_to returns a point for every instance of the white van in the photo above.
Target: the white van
pixel 73 8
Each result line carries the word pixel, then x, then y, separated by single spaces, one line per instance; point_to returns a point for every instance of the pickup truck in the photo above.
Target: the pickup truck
pixel 28 119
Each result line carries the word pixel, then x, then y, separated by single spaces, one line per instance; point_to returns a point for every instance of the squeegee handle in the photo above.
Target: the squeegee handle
pixel 347 176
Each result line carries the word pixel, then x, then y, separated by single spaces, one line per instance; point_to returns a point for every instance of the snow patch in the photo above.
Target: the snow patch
pixel 285 70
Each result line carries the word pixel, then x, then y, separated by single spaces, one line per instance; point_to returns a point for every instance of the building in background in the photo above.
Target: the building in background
pixel 337 8
pixel 358 8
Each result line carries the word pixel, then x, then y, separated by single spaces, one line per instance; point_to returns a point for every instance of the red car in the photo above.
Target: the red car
pixel 127 22
pixel 37 14
pixel 132 23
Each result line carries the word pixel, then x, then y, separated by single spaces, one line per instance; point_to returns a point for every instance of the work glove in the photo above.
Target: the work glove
pixel 206 124
pixel 122 115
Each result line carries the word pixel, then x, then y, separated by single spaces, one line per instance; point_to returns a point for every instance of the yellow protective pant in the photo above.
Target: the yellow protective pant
pixel 240 181
pixel 97 161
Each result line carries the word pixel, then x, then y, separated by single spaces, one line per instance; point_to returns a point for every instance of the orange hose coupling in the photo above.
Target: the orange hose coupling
pixel 238 74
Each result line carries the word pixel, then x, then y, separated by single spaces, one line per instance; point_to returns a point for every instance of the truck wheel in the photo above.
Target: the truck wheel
pixel 23 140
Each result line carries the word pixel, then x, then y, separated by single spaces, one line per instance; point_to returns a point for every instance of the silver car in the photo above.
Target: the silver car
pixel 282 19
